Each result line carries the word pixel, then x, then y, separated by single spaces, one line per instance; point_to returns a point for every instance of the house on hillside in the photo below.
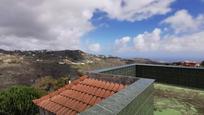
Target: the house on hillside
pixel 191 64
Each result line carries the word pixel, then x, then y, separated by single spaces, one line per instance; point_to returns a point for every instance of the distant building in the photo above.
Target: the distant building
pixel 190 64
pixel 187 63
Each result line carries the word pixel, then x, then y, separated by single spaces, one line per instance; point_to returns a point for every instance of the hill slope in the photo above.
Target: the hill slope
pixel 25 67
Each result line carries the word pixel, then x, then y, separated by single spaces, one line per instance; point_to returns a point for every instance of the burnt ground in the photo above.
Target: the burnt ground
pixel 27 73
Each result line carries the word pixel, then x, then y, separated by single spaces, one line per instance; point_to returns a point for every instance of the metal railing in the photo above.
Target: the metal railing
pixel 184 76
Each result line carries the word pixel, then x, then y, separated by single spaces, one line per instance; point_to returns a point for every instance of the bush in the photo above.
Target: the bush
pixel 50 84
pixel 17 100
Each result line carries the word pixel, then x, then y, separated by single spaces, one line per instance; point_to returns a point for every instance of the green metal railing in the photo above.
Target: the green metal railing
pixel 184 76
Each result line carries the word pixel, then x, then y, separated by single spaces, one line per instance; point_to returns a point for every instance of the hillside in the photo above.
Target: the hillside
pixel 26 67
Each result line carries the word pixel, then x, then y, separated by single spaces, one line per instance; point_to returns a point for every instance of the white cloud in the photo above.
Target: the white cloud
pixel 186 43
pixel 122 43
pixel 182 21
pixel 95 47
pixel 60 24
pixel 147 41
pixel 132 10
pixel 52 24
pixel 188 36
pixel 153 41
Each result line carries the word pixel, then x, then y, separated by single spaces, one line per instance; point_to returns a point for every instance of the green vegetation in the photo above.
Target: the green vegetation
pixel 173 100
pixel 50 84
pixel 167 112
pixel 17 100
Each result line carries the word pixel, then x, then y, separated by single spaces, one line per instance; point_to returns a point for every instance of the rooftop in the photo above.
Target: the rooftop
pixel 78 96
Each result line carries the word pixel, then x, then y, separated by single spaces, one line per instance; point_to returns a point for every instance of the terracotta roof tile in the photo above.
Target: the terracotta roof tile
pixel 107 93
pixel 98 100
pixel 87 98
pixel 102 93
pixel 116 86
pixel 112 93
pixel 121 86
pixel 107 85
pixel 92 101
pixel 78 96
pixel 62 111
pixel 97 93
pixel 111 86
pixel 94 90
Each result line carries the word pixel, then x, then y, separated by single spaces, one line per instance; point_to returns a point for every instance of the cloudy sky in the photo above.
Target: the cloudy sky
pixel 158 29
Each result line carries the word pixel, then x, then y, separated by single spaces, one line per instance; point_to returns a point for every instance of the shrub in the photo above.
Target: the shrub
pixel 17 100
pixel 49 84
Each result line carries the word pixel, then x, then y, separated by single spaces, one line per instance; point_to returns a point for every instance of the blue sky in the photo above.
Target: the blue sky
pixel 156 29
pixel 108 30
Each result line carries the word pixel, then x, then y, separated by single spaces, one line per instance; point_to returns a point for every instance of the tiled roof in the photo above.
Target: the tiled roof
pixel 78 96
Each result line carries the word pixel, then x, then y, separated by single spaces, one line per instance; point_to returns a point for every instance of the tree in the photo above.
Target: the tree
pixel 17 100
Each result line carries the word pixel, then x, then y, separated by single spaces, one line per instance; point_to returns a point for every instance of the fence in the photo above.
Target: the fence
pixel 184 76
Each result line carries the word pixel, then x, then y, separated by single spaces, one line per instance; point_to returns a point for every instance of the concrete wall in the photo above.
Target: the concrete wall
pixel 44 112
pixel 141 104
pixel 136 99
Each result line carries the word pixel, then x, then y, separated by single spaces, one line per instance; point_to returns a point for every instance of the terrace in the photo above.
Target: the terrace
pixel 178 90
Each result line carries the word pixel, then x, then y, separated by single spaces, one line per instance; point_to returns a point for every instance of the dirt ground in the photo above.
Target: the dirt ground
pixel 173 100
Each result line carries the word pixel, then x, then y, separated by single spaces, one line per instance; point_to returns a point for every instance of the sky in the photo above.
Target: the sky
pixel 155 29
